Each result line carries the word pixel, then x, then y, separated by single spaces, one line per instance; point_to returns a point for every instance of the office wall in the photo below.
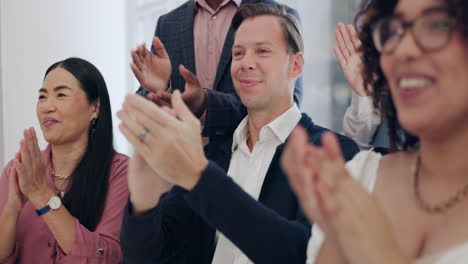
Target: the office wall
pixel 35 34
pixel 1 94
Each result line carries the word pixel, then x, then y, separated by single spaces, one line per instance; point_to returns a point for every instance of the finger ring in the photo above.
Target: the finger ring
pixel 143 134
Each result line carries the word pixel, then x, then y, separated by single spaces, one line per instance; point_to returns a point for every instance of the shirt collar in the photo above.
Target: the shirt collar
pixel 281 127
pixel 204 4
pixel 241 133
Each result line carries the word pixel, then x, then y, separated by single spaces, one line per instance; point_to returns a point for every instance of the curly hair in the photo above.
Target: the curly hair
pixel 370 13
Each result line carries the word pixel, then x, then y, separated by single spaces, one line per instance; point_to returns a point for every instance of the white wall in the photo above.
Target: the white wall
pixel 35 34
pixel 1 95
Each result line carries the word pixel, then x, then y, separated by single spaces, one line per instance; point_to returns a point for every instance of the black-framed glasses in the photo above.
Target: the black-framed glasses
pixel 431 30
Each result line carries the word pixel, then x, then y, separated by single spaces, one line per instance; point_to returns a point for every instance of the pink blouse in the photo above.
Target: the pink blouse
pixel 36 244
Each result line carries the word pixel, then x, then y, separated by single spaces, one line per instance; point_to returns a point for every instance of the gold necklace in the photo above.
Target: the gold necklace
pixel 438 208
pixel 59 176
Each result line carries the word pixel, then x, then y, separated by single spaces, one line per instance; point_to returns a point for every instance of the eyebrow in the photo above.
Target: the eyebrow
pixel 58 88
pixel 425 11
pixel 256 44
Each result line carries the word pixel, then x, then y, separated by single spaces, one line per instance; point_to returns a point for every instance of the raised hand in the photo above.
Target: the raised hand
pixel 152 71
pixel 302 163
pixel 194 96
pixel 161 98
pixel 348 53
pixel 170 144
pixel 32 179
pixel 16 199
pixel 349 216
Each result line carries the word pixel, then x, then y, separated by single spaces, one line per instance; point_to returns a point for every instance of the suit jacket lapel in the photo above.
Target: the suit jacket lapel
pixel 225 57
pixel 186 32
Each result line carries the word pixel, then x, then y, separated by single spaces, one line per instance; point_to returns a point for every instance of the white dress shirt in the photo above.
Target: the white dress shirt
pixel 360 120
pixel 248 169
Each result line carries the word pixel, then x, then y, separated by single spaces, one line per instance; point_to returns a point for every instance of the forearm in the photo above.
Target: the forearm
pixel 142 202
pixel 254 222
pixel 60 222
pixel 360 121
pixel 8 220
pixel 159 233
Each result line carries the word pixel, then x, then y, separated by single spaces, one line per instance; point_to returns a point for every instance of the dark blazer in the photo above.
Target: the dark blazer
pixel 181 229
pixel 224 111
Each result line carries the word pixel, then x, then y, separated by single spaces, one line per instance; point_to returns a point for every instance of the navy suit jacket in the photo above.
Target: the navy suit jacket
pixel 181 229
pixel 224 108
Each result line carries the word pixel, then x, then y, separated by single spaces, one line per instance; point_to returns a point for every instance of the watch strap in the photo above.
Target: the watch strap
pixel 43 210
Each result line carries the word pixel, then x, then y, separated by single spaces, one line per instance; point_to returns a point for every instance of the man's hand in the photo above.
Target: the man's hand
pixel 194 96
pixel 172 146
pixel 145 186
pixel 152 71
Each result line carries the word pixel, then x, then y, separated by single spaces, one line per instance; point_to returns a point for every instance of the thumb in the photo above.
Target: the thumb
pixel 332 147
pixel 181 110
pixel 159 48
pixel 190 78
pixel 13 180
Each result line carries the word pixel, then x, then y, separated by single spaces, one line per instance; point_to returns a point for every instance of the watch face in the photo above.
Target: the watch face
pixel 55 202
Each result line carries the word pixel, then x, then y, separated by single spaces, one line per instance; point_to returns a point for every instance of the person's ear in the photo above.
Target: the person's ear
pixel 95 107
pixel 296 64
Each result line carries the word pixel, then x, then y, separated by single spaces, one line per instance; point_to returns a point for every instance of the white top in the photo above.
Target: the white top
pixel 248 169
pixel 363 167
pixel 360 120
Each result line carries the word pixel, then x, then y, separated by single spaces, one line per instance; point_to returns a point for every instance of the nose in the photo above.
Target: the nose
pixel 248 62
pixel 408 48
pixel 47 105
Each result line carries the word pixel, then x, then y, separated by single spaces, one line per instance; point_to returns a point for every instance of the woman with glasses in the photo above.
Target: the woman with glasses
pixel 410 206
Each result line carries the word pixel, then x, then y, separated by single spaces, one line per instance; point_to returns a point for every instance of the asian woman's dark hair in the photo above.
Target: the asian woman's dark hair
pixel 86 195
pixel 371 12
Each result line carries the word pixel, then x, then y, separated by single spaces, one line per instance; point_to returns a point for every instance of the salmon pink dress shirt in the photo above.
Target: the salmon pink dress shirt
pixel 210 29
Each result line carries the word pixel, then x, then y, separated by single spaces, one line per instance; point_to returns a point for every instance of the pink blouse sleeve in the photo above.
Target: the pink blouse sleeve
pixel 3 199
pixel 4 185
pixel 103 245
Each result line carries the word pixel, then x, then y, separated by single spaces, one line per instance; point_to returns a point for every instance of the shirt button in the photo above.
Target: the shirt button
pixel 100 252
pixel 214 17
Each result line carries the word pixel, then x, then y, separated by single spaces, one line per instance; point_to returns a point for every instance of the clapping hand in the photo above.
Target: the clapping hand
pixel 32 181
pixel 153 71
pixel 348 215
pixel 171 145
pixel 349 55
pixel 16 199
pixel 193 96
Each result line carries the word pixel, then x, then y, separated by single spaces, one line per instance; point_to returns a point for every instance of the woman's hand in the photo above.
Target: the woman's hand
pixel 301 171
pixel 32 179
pixel 347 214
pixel 16 199
pixel 349 55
